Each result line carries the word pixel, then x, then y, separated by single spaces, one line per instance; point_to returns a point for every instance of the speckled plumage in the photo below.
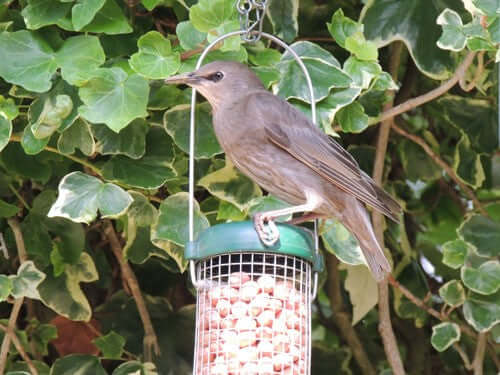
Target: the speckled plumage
pixel 281 150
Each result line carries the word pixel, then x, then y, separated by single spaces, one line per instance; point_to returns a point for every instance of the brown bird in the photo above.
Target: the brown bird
pixel 279 148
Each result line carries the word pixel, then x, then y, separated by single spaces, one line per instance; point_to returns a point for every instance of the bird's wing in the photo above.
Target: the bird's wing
pixel 289 129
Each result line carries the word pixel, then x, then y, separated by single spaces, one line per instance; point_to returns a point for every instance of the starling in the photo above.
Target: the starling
pixel 280 149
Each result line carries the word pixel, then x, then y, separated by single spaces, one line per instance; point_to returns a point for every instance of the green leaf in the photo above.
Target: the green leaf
pixel 64 295
pixel 81 195
pixel 27 280
pixel 172 223
pixel 32 145
pixel 84 11
pixel 467 164
pixel 494 29
pixel 343 27
pixel 228 211
pixel 482 280
pixel 444 335
pixel 41 13
pixel 77 136
pixel 453 293
pixel 27 60
pixel 135 368
pixel 79 57
pixel 7 209
pixel 454 253
pixel 17 162
pixel 230 185
pixel 142 212
pixel 149 172
pixel 8 108
pixel 416 163
pixel 482 312
pixel 361 48
pixel 22 368
pixel 268 203
pixel 114 98
pixel 322 67
pixel 189 37
pixel 362 72
pixel 453 37
pixel 176 123
pixel 78 364
pixel 5 287
pixel 414 23
pixel 111 345
pixel 352 118
pixel 42 335
pixel 5 131
pixel 207 15
pixel 490 7
pixel 483 233
pixel 363 290
pixel 340 242
pixel 155 59
pixel 283 16
pixel 130 142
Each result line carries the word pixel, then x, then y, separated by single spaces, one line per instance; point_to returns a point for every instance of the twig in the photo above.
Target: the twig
pixel 20 349
pixel 441 164
pixel 18 303
pixel 150 339
pixel 186 55
pixel 342 319
pixel 19 196
pixel 463 355
pixel 480 68
pixel 477 363
pixel 431 95
pixel 385 327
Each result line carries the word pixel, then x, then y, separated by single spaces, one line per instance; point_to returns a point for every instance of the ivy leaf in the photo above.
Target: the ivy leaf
pixel 414 23
pixel 352 118
pixel 84 11
pixel 483 280
pixel 283 16
pixel 189 37
pixel 483 233
pixel 467 164
pixel 482 312
pixel 79 57
pixel 155 59
pixel 453 293
pixel 114 98
pixel 363 291
pixel 340 242
pixel 149 172
pixel 17 162
pixel 135 368
pixel 230 185
pixel 63 293
pixel 27 60
pixel 32 145
pixel 5 287
pixel 489 7
pixel 27 280
pixel 362 72
pixel 81 195
pixel 444 335
pixel 8 108
pixel 361 48
pixel 454 253
pixel 130 142
pixel 5 131
pixel 176 123
pixel 207 15
pixel 111 345
pixel 268 203
pixel 453 37
pixel 416 163
pixel 83 364
pixel 41 13
pixel 78 135
pixel 342 27
pixel 7 210
pixel 142 212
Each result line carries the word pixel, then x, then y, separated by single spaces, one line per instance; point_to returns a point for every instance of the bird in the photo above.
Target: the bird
pixel 281 150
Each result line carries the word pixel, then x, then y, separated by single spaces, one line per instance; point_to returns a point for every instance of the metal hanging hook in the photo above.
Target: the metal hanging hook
pixel 248 25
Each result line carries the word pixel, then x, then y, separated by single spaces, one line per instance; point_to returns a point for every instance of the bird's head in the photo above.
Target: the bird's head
pixel 220 81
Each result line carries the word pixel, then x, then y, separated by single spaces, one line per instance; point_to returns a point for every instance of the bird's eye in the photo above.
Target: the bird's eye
pixel 216 77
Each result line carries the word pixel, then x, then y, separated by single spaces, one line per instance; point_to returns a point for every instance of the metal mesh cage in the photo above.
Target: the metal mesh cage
pixel 253 315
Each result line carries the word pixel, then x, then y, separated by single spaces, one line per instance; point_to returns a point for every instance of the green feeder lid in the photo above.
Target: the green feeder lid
pixel 241 236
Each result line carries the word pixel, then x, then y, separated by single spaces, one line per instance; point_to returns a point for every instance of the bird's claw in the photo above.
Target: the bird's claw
pixel 266 229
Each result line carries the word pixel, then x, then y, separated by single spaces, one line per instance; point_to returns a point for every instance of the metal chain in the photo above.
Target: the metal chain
pixel 252 14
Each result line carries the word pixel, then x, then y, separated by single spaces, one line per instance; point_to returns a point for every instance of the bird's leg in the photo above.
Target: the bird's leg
pixel 306 217
pixel 264 221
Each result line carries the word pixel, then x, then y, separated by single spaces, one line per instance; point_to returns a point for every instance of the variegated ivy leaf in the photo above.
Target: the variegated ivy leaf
pixel 340 242
pixel 453 37
pixel 453 293
pixel 27 280
pixel 444 335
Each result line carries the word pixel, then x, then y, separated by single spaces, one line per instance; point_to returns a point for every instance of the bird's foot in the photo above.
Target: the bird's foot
pixel 266 229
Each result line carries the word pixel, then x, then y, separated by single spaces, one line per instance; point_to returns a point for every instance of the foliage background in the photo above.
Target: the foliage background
pixel 93 170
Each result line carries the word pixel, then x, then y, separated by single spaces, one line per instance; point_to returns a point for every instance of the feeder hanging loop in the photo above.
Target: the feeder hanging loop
pixel 252 28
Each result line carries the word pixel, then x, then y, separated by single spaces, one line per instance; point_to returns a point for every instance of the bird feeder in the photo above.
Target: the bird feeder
pixel 253 309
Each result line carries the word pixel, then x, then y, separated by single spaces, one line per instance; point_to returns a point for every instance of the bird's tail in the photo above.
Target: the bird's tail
pixel 360 225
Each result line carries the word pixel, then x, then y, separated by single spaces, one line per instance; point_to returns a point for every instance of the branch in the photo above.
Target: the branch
pixel 385 327
pixel 20 349
pixel 342 319
pixel 480 68
pixel 477 363
pixel 431 95
pixel 463 355
pixel 150 338
pixel 441 164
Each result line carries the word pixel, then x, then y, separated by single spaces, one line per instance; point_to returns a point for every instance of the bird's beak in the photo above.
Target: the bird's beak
pixel 183 79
